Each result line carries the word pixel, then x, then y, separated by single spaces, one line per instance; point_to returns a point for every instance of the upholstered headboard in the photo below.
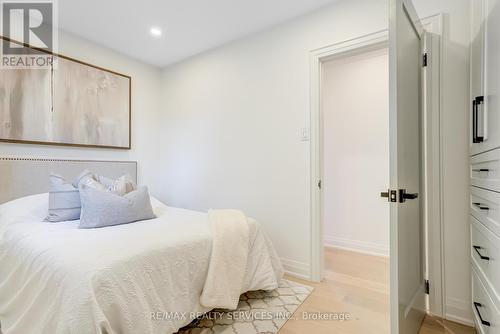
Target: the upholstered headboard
pixel 28 176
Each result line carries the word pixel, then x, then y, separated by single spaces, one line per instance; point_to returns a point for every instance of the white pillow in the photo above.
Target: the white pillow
pixel 101 208
pixel 64 198
pixel 120 186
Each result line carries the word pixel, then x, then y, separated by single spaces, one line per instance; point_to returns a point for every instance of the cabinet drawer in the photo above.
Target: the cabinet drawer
pixel 486 314
pixel 488 113
pixel 488 122
pixel 485 254
pixel 476 63
pixel 485 170
pixel 485 207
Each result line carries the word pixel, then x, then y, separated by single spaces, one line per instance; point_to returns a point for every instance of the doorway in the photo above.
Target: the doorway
pixel 431 172
pixel 320 58
pixel 355 150
pixel 354 128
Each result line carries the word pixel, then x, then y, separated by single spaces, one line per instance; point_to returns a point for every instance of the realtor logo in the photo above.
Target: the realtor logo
pixel 28 34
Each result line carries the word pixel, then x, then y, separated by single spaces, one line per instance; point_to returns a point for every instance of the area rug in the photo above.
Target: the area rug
pixel 259 312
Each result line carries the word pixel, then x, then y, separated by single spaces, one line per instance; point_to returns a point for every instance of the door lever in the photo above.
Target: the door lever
pixel 403 195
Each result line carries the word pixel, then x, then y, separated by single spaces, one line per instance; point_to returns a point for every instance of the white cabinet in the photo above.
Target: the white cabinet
pixel 485 76
pixel 477 63
pixel 485 207
pixel 484 169
pixel 486 313
pixel 485 254
pixel 477 48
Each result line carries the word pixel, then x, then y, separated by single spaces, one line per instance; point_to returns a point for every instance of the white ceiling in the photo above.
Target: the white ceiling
pixel 189 26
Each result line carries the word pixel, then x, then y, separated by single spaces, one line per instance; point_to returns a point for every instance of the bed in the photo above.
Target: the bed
pixel 144 277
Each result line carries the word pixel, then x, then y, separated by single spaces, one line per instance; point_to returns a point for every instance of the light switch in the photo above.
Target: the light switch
pixel 305 134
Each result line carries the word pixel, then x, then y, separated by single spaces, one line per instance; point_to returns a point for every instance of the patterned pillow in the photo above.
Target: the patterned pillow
pixel 64 198
pixel 84 177
pixel 120 186
pixel 103 208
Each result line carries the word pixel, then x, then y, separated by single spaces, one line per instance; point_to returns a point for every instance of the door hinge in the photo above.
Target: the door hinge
pixel 424 60
pixel 427 287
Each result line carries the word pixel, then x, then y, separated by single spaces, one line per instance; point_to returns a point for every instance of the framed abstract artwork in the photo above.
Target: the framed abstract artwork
pixel 72 103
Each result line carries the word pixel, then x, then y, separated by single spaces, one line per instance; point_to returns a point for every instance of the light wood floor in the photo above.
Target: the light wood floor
pixel 436 326
pixel 356 284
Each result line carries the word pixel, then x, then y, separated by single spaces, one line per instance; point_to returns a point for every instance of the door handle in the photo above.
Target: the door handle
pixel 479 170
pixel 403 195
pixel 477 248
pixel 484 322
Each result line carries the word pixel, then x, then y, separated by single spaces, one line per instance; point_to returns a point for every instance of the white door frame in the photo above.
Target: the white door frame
pixel 432 135
pixel 432 155
pixel 317 57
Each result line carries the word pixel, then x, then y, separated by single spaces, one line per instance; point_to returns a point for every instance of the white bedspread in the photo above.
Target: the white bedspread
pixel 145 277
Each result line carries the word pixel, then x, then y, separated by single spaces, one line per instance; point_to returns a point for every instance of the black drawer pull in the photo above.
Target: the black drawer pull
pixel 484 322
pixel 476 138
pixel 474 122
pixel 481 170
pixel 481 207
pixel 477 248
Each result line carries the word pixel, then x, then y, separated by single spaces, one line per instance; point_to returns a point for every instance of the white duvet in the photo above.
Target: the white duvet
pixel 145 277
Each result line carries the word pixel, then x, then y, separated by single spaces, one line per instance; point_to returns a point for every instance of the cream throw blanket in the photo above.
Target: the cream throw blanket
pixel 228 262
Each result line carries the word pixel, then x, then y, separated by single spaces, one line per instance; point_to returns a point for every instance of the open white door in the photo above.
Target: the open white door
pixel 405 65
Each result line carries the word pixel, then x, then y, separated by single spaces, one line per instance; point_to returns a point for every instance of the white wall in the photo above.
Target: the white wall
pixel 232 122
pixel 146 82
pixel 355 109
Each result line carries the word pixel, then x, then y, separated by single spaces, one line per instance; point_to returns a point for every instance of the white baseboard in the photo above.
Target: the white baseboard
pixel 296 269
pixel 357 246
pixel 460 311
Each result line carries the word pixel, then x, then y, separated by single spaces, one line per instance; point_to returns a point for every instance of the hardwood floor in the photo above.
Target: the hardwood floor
pixel 433 325
pixel 357 285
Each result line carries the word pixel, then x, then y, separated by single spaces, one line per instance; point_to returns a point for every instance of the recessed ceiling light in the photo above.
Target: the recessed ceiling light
pixel 155 31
